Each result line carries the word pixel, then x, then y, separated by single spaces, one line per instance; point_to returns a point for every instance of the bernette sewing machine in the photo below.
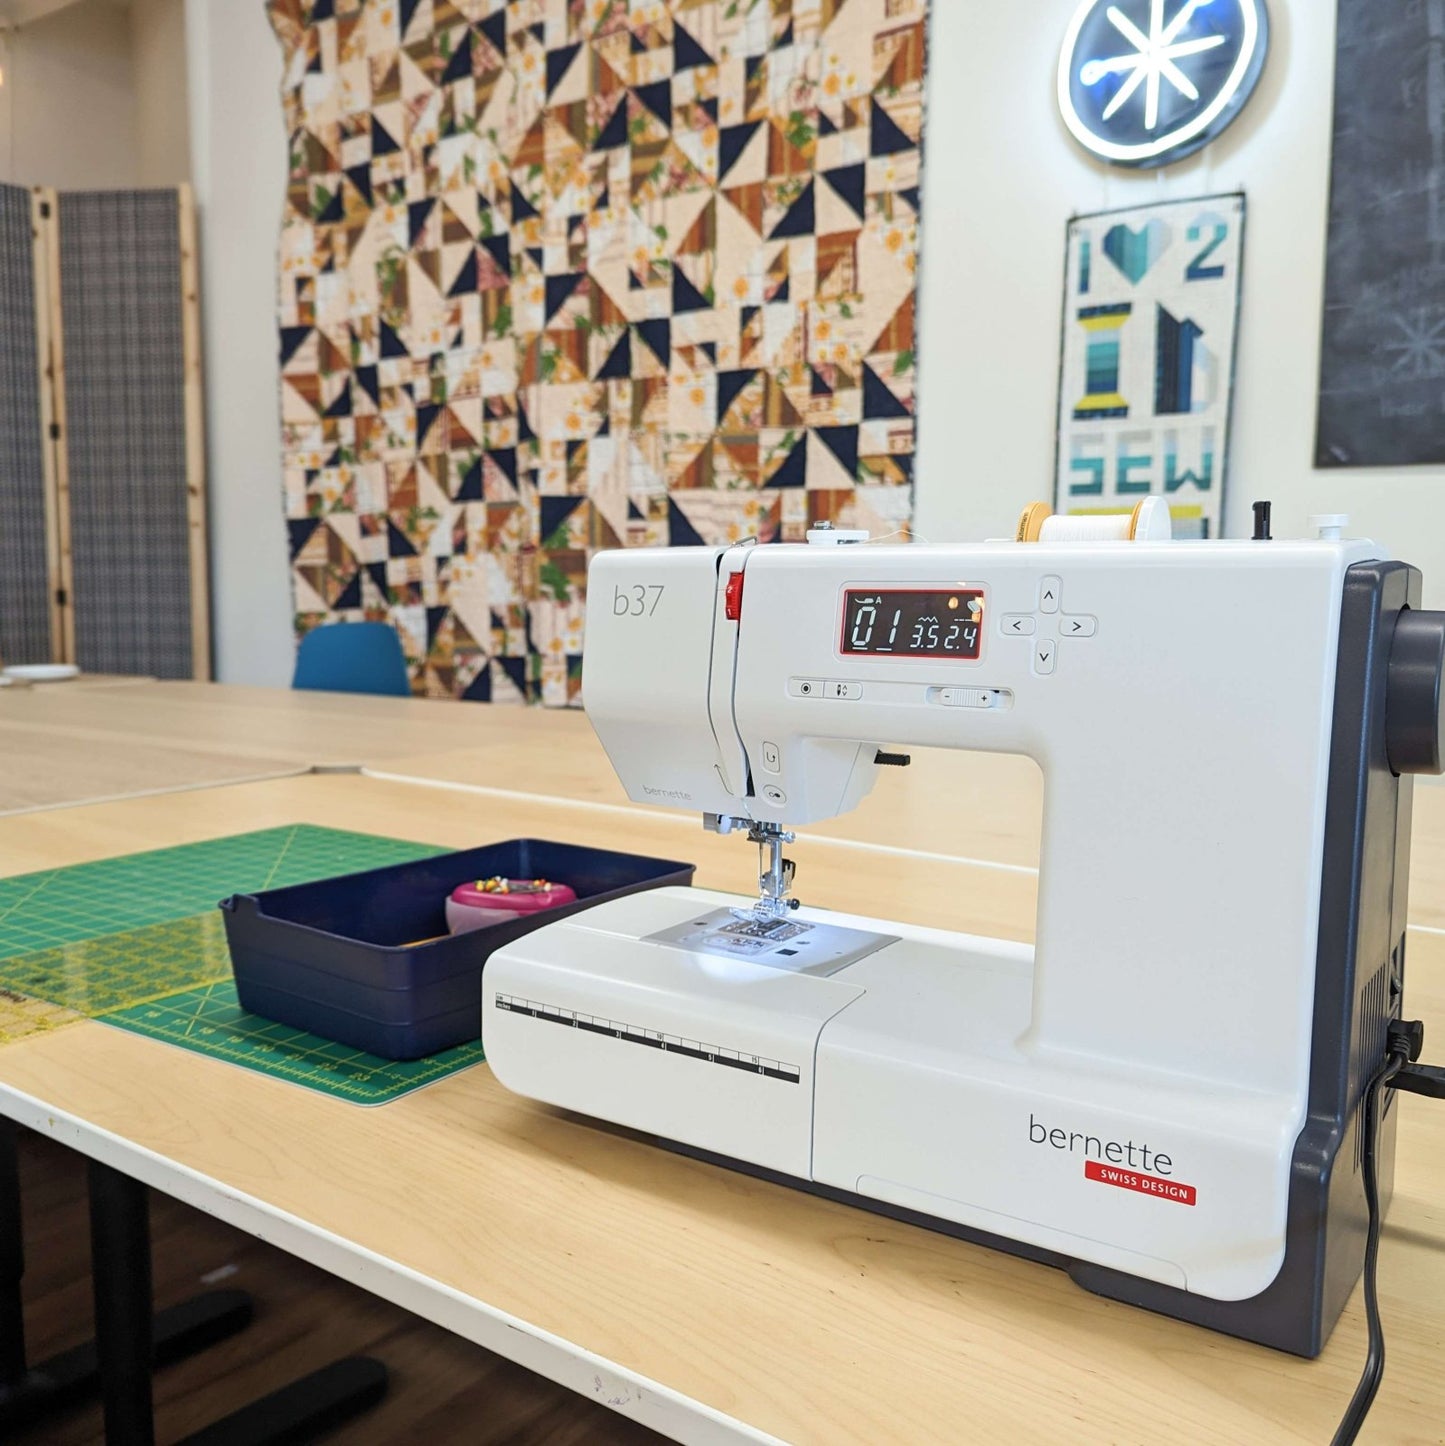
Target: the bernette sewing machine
pixel 1161 1096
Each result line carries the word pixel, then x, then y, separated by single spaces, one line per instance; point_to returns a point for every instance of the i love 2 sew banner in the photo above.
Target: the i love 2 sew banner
pixel 1151 311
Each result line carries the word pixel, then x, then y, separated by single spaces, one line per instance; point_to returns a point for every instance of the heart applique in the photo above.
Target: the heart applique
pixel 1135 252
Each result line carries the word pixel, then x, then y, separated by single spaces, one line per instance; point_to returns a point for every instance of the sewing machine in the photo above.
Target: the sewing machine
pixel 1160 1096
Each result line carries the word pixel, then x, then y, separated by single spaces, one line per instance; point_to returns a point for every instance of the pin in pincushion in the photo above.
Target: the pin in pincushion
pixel 498 901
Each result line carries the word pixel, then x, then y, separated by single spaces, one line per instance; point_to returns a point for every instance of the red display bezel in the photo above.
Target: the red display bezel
pixel 962 592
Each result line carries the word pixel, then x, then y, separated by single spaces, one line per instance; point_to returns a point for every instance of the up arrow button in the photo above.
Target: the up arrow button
pixel 1049 591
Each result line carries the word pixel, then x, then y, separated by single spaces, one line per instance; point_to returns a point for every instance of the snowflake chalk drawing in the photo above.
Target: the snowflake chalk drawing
pixel 1148 82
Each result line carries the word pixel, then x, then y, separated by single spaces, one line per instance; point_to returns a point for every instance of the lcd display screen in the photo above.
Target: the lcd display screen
pixel 914 623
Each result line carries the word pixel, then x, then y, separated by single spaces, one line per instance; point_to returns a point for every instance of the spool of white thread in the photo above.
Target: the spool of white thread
pixel 1149 522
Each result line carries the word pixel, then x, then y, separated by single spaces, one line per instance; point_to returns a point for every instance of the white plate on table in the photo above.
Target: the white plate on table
pixel 41 672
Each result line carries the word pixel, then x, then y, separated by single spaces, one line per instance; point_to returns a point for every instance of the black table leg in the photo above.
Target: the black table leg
pixel 12 1266
pixel 28 1393
pixel 120 1263
pixel 129 1340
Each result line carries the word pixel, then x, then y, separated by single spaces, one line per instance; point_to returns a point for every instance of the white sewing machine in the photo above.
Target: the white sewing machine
pixel 1161 1095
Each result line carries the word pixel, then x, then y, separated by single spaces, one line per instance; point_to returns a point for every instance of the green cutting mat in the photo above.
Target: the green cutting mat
pixel 137 942
pixel 209 1021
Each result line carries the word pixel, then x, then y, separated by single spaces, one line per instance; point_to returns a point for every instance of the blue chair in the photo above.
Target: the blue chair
pixel 352 658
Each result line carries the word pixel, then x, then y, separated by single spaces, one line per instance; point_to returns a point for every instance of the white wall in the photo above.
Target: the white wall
pixel 162 115
pixel 239 153
pixel 71 105
pixel 1001 178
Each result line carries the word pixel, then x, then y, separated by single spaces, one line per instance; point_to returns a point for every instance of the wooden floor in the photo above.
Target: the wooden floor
pixel 443 1389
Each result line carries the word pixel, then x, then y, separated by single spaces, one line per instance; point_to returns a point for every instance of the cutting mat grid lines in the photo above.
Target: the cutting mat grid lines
pixel 210 1021
pixel 138 942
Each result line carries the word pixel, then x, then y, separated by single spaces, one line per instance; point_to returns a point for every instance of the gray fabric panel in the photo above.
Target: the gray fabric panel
pixel 24 585
pixel 120 287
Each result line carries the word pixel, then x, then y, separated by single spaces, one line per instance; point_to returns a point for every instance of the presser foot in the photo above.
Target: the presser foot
pixel 775 873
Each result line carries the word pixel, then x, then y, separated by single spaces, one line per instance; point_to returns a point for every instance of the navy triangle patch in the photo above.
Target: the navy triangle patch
pixel 367 380
pixel 879 403
pixel 559 62
pixel 559 292
pixel 479 690
pixel 470 487
pixel 614 133
pixel 680 532
pixel 292 339
pixel 618 366
pixel 466 281
pixel 505 458
pixel 885 138
pixel 522 208
pixel 501 249
pixel 382 143
pixel 685 296
pixel 350 595
pixel 417 214
pixel 301 530
pixel 658 336
pixel 793 472
pixel 360 177
pixel 555 511
pixel 391 343
pixel 657 97
pixel 459 67
pixel 842 442
pixel 729 387
pixel 851 185
pixel 494 27
pixel 732 141
pixel 800 219
pixel 398 544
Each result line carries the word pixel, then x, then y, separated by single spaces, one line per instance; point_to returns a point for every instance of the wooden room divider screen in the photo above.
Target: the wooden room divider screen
pixel 102 474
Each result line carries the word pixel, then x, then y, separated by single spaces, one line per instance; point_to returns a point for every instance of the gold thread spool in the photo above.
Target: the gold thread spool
pixel 1031 522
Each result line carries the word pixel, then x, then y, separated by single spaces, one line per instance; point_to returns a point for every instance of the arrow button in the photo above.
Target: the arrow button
pixel 1044 657
pixel 1078 627
pixel 1018 625
pixel 1050 590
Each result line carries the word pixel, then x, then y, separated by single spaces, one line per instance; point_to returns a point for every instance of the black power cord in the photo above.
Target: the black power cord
pixel 1399 1072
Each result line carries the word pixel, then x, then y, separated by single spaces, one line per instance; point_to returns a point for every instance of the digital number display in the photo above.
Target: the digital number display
pixel 914 624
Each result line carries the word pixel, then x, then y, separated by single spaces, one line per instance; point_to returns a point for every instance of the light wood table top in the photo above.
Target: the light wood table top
pixel 702 1302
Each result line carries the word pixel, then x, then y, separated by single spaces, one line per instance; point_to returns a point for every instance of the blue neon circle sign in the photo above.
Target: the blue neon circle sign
pixel 1148 82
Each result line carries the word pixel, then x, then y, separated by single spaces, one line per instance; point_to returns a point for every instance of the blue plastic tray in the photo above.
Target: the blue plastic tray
pixel 339 958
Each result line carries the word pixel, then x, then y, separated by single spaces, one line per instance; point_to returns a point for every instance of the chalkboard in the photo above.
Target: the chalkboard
pixel 1382 371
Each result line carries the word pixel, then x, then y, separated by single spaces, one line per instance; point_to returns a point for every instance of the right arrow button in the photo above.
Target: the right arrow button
pixel 1078 627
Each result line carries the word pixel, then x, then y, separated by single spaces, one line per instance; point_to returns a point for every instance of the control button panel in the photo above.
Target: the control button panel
pixel 840 690
pixel 1045 628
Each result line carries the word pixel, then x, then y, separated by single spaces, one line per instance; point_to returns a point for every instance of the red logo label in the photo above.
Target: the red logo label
pixel 1143 1184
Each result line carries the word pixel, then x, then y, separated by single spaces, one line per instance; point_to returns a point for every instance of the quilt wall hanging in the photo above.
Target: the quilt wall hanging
pixel 1151 312
pixel 559 275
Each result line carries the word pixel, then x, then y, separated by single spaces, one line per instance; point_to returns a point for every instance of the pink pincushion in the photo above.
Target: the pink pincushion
pixel 495 901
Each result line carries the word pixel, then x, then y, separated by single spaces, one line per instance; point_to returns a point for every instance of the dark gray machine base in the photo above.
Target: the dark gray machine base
pixel 1359 982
